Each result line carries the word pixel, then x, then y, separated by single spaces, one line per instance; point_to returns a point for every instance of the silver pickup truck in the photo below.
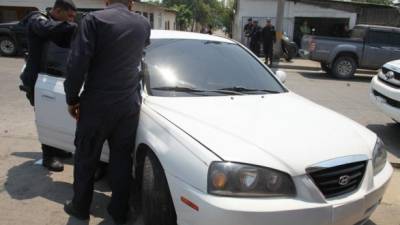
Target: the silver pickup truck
pixel 368 47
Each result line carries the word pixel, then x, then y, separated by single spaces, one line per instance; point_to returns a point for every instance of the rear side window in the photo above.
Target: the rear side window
pixel 379 38
pixel 396 39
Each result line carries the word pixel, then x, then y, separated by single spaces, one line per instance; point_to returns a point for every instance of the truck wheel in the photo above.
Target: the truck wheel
pixel 325 68
pixel 344 67
pixel 8 47
pixel 157 205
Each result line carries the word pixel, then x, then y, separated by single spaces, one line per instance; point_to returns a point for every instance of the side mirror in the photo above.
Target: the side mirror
pixel 281 75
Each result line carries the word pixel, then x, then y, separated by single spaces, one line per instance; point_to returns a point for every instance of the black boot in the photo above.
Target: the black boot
pixel 72 211
pixel 118 220
pixel 53 163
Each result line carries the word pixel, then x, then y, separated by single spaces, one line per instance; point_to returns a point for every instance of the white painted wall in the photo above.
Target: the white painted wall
pixel 161 16
pixel 262 9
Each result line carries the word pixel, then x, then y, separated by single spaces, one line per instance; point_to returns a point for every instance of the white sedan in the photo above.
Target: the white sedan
pixel 221 141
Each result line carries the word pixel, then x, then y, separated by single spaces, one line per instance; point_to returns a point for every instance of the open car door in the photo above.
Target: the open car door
pixel 55 126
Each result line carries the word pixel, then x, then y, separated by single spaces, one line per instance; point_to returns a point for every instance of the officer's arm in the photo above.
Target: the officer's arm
pixel 46 28
pixel 82 50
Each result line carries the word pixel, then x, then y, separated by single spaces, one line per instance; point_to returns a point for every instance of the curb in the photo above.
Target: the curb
pixel 395 165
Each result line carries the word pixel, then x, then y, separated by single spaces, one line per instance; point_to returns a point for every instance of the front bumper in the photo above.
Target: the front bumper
pixel 389 92
pixel 308 208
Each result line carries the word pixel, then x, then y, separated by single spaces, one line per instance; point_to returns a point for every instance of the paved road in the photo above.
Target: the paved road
pixel 31 195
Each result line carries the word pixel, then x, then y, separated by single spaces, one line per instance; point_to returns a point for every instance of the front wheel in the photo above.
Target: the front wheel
pixel 8 46
pixel 344 67
pixel 157 205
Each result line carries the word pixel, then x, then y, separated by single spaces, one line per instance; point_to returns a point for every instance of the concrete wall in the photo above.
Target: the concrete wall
pixel 266 9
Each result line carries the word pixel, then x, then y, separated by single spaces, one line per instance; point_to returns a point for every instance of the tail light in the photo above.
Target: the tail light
pixel 312 45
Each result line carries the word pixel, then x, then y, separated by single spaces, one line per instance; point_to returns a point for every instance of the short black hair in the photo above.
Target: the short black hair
pixel 64 5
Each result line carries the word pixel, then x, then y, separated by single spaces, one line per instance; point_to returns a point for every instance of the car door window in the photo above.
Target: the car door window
pixel 395 39
pixel 54 62
pixel 379 38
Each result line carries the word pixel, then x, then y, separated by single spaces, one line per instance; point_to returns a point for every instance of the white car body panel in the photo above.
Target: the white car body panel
pixel 388 90
pixel 281 131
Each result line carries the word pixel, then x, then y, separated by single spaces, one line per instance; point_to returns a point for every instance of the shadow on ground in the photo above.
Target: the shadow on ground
pixel 324 76
pixel 27 181
pixel 389 133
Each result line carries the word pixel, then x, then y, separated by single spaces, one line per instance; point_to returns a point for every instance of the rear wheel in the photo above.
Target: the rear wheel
pixel 344 67
pixel 157 205
pixel 8 46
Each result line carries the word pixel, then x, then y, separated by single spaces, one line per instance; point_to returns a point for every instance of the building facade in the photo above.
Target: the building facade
pixel 326 17
pixel 159 17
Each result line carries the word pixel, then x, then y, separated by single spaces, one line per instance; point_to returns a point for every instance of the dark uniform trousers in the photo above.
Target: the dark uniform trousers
pixel 268 51
pixel 116 124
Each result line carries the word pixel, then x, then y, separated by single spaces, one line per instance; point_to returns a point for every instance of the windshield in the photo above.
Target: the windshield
pixel 179 68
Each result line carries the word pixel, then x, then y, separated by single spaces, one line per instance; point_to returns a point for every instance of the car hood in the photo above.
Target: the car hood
pixel 393 65
pixel 280 131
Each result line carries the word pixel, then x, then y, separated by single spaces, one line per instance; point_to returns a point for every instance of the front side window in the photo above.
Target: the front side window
pixel 54 60
pixel 180 67
pixel 379 37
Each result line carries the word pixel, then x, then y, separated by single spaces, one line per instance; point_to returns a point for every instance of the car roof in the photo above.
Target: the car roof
pixel 168 34
pixel 378 27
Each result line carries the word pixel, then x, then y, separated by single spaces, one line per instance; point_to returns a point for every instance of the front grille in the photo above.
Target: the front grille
pixel 389 101
pixel 388 83
pixel 330 181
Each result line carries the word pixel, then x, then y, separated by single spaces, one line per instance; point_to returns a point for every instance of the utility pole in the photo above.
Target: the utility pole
pixel 280 14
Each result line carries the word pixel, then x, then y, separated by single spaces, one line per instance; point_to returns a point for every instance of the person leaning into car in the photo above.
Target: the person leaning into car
pixel 57 27
pixel 105 56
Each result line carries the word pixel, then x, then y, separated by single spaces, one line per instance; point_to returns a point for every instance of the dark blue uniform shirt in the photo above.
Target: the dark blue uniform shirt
pixel 41 30
pixel 105 56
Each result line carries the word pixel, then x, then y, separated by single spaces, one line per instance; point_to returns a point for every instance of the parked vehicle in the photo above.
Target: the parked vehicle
pixel 369 47
pixel 289 48
pixel 13 38
pixel 222 141
pixel 385 90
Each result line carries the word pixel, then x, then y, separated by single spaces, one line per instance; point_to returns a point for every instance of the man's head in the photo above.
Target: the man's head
pixel 269 23
pixel 64 10
pixel 250 20
pixel 127 3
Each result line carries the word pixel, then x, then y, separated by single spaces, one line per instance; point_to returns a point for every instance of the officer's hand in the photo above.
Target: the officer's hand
pixel 74 111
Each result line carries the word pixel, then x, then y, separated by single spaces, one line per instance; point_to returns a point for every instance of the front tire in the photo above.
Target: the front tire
pixel 8 47
pixel 344 67
pixel 157 205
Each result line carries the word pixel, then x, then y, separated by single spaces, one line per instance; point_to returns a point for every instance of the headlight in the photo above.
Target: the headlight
pixel 379 157
pixel 241 180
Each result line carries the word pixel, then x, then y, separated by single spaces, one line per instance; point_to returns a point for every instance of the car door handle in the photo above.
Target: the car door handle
pixel 48 96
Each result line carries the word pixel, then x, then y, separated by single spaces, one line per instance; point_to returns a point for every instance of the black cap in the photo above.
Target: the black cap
pixel 65 4
pixel 250 19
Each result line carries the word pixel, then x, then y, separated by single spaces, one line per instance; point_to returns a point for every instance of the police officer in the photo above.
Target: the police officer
pixel 105 56
pixel 57 27
pixel 268 38
pixel 247 31
pixel 255 38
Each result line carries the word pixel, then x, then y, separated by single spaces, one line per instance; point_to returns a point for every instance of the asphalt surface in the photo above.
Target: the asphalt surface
pixel 31 195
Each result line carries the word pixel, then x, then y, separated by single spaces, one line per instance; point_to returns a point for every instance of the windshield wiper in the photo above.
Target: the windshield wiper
pixel 194 90
pixel 246 90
